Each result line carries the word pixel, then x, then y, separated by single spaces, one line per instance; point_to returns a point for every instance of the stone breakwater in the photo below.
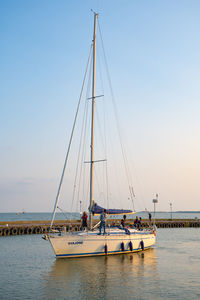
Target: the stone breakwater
pixel 40 227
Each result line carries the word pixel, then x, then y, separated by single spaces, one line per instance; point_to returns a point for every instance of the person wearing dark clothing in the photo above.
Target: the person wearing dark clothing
pixel 122 222
pixel 102 222
pixel 149 217
pixel 84 220
pixel 137 223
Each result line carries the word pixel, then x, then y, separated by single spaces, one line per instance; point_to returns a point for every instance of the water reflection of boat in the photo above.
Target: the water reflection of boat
pixel 136 260
pixel 102 277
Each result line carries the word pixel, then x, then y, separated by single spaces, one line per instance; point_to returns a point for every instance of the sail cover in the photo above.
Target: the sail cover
pixel 98 209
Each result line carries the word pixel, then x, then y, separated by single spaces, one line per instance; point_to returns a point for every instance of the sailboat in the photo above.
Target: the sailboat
pixel 117 239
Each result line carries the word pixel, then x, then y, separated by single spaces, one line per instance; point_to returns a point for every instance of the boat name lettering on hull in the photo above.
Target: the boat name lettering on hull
pixel 75 243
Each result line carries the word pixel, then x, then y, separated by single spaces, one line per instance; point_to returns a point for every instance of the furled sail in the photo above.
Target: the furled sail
pixel 98 209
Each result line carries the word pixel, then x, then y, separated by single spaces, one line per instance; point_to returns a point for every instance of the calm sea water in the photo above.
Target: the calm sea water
pixel 76 216
pixel 29 270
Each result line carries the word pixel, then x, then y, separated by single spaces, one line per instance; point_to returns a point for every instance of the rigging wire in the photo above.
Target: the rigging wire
pixel 78 159
pixel 85 180
pixel 104 140
pixel 63 212
pixel 81 142
pixel 84 135
pixel 128 174
pixel 70 142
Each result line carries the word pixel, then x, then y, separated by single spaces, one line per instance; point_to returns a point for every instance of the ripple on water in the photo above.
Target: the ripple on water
pixel 29 270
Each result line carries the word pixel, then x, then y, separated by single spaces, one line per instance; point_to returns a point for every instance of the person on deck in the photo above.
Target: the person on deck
pixel 102 222
pixel 137 223
pixel 84 220
pixel 123 221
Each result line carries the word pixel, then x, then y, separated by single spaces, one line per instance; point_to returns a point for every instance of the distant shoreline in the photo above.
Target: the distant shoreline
pixel 141 211
pixel 174 211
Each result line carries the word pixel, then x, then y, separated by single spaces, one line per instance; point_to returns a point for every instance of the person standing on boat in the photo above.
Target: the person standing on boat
pixel 103 222
pixel 137 222
pixel 84 220
pixel 123 221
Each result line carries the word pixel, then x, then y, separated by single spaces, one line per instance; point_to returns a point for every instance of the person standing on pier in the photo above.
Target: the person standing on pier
pixel 149 217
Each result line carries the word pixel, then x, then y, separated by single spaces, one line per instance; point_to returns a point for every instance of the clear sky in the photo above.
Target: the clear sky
pixel 153 50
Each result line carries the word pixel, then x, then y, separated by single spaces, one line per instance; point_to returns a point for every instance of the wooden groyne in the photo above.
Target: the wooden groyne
pixel 40 227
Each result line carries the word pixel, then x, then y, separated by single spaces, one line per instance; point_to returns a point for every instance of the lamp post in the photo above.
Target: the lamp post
pixel 80 209
pixel 154 202
pixel 171 209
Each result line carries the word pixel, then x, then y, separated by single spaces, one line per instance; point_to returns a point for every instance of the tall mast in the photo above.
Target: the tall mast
pixel 92 123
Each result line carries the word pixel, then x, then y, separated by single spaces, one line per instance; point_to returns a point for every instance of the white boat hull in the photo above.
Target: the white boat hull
pixel 91 244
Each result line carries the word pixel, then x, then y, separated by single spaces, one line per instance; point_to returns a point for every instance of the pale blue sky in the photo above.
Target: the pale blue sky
pixel 153 50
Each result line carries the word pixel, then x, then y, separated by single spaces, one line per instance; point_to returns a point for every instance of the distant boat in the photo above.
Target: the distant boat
pixel 117 240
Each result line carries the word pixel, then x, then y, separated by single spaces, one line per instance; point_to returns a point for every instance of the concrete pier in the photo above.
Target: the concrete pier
pixel 40 227
pixel 36 227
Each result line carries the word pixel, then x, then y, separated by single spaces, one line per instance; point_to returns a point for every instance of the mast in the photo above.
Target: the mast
pixel 92 122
